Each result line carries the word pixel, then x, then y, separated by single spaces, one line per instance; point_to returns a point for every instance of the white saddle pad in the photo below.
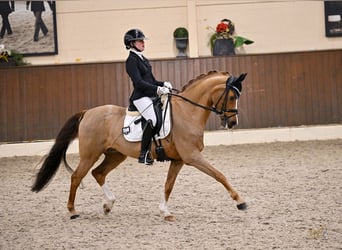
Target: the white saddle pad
pixel 133 132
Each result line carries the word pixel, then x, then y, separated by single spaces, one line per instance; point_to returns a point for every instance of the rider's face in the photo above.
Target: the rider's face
pixel 140 45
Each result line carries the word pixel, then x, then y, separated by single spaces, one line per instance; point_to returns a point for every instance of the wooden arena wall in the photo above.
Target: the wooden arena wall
pixel 281 90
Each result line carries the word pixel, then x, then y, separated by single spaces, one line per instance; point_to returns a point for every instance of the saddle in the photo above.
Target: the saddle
pixel 134 122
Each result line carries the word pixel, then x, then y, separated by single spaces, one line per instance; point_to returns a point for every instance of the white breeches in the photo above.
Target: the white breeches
pixel 145 107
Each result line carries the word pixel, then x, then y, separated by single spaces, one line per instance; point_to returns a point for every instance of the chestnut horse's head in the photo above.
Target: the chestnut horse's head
pixel 227 103
pixel 219 91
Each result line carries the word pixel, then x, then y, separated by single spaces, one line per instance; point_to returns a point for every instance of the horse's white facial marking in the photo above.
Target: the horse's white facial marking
pixel 237 117
pixel 108 193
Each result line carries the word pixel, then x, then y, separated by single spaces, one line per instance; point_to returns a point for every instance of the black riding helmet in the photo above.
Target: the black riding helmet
pixel 133 35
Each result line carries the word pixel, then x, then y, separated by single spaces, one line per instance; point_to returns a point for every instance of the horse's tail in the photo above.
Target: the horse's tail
pixel 52 161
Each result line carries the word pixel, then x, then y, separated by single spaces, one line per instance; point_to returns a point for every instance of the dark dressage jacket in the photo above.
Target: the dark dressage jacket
pixel 140 72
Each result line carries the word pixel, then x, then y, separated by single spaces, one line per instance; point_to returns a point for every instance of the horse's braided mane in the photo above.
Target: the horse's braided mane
pixel 201 76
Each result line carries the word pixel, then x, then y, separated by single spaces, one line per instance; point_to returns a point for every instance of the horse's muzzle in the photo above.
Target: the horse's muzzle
pixel 228 122
pixel 232 124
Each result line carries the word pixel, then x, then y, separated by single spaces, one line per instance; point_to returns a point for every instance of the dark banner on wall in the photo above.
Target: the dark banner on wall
pixel 333 15
pixel 29 27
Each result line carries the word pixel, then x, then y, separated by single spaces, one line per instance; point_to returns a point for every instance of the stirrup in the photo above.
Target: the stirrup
pixel 146 158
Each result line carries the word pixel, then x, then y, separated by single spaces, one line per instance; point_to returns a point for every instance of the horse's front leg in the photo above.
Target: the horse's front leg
pixel 174 169
pixel 198 161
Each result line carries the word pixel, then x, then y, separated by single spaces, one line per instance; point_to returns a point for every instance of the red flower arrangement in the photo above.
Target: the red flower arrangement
pixel 225 30
pixel 222 27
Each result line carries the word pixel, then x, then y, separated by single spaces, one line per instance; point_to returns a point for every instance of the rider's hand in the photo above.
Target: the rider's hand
pixel 168 85
pixel 162 91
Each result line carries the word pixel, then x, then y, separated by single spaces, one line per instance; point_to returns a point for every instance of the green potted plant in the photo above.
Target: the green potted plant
pixel 11 58
pixel 181 32
pixel 181 36
pixel 222 41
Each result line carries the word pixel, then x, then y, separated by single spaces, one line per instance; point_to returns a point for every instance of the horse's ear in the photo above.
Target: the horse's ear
pixel 236 83
pixel 241 77
pixel 231 80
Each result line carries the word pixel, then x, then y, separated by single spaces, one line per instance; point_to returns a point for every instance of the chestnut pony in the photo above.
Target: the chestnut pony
pixel 99 131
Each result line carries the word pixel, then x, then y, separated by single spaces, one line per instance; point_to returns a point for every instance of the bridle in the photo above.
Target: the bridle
pixel 223 110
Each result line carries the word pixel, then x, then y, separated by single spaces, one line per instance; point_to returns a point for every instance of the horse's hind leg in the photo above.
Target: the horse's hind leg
pixel 172 174
pixel 82 169
pixel 111 161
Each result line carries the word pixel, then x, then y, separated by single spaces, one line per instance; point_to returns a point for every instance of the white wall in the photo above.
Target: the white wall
pixel 91 31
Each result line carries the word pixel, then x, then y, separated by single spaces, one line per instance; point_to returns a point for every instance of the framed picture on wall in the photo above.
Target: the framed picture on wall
pixel 31 29
pixel 333 16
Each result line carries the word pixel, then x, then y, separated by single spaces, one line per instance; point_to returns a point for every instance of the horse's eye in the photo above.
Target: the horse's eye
pixel 232 98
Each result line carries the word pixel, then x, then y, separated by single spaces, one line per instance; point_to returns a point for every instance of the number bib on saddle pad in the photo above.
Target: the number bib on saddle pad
pixel 132 129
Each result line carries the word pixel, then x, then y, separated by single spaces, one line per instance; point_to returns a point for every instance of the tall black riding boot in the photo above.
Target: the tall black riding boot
pixel 145 152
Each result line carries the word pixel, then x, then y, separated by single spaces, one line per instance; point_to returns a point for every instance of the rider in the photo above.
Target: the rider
pixel 146 88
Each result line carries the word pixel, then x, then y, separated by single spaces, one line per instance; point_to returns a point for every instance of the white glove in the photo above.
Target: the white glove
pixel 168 85
pixel 162 91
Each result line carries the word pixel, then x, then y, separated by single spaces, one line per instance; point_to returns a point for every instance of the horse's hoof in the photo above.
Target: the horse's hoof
pixel 242 206
pixel 75 216
pixel 106 209
pixel 170 218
